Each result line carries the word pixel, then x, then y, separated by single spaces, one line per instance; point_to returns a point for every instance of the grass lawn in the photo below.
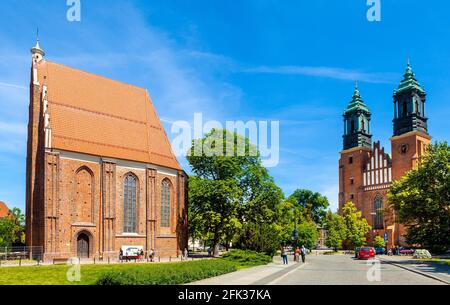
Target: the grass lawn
pixel 438 260
pixel 57 275
pixel 139 274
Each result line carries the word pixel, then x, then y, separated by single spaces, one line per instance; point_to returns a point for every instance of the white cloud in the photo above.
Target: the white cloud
pixel 327 72
pixel 13 86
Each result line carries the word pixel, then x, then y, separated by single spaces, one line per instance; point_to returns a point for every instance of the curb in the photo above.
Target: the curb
pixel 415 271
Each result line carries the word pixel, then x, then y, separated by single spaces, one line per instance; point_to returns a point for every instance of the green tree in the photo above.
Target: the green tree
pixel 421 200
pixel 12 228
pixel 230 189
pixel 312 205
pixel 308 234
pixel 378 242
pixel 337 231
pixel 356 226
pixel 259 237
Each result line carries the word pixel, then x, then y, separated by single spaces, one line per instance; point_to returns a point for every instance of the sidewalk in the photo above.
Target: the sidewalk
pixel 433 270
pixel 260 275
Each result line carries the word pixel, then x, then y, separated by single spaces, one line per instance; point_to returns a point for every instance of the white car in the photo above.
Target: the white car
pixel 131 252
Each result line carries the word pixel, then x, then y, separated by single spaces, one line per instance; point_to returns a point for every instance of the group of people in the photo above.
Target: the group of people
pixel 151 255
pixel 140 256
pixel 297 253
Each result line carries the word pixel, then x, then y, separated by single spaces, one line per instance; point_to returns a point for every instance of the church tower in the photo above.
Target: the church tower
pixel 410 124
pixel 357 146
pixel 357 131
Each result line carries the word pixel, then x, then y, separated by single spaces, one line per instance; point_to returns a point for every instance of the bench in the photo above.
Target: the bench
pixel 60 261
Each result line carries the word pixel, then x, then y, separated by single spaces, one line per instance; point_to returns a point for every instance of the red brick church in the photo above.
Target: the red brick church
pixel 366 171
pixel 101 173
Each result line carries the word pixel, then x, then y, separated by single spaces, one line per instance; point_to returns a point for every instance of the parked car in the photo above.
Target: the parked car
pixel 131 252
pixel 366 253
pixel 357 252
pixel 406 251
pixel 380 250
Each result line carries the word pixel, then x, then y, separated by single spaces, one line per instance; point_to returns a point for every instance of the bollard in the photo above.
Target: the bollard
pixel 94 260
pixel 108 259
pixel 170 259
pixel 20 261
pixel 159 258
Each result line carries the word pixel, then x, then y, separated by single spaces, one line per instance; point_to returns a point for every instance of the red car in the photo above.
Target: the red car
pixel 366 253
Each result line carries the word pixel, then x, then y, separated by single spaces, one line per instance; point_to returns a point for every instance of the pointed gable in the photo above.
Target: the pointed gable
pixel 95 115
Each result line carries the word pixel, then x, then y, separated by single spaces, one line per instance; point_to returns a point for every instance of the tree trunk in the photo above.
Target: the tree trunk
pixel 216 250
pixel 216 245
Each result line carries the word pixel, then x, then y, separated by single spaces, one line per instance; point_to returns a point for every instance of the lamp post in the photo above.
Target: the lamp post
pixel 373 229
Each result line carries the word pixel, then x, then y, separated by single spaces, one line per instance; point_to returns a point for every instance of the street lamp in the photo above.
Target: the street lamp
pixel 373 223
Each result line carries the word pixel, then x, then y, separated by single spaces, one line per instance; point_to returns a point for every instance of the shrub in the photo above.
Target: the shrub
pixel 168 274
pixel 247 258
pixel 421 254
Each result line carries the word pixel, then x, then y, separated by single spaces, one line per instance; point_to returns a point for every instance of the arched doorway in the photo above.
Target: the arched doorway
pixel 83 245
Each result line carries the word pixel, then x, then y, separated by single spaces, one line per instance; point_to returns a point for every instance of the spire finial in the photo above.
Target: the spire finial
pixel 37 50
pixel 409 72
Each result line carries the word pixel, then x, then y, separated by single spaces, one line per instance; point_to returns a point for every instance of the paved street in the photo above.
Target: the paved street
pixel 323 270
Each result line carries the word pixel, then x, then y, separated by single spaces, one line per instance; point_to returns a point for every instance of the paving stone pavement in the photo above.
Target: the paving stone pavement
pixel 324 270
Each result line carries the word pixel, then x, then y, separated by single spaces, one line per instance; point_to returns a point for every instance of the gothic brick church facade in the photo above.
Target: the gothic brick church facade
pixel 366 171
pixel 101 173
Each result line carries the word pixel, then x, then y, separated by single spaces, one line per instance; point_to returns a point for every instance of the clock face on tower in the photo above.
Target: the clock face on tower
pixel 403 148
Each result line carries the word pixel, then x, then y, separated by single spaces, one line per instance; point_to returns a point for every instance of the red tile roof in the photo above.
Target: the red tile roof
pixel 4 211
pixel 99 116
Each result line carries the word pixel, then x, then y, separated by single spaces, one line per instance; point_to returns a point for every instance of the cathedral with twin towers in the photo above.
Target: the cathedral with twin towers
pixel 366 171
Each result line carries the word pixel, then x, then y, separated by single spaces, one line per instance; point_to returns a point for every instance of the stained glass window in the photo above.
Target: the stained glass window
pixel 129 207
pixel 165 204
pixel 378 206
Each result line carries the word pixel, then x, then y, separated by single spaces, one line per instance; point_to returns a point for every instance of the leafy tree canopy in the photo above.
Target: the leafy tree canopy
pixel 312 205
pixel 421 200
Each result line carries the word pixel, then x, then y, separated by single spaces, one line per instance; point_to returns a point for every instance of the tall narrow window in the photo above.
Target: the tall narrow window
pixel 352 126
pixel 378 207
pixel 165 204
pixel 129 206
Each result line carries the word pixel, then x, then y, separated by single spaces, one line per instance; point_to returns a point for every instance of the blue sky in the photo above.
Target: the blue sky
pixel 292 61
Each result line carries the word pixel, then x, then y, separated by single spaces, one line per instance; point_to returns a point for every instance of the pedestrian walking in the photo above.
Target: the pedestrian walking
pixel 297 255
pixel 151 254
pixel 284 255
pixel 303 253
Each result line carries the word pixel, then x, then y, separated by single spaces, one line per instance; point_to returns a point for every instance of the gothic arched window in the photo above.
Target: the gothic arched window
pixel 165 204
pixel 378 212
pixel 129 204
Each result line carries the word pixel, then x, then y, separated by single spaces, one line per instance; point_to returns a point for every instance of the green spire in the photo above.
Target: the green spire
pixel 356 103
pixel 409 81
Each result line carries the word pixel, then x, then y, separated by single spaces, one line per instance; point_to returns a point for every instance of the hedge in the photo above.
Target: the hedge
pixel 168 274
pixel 247 258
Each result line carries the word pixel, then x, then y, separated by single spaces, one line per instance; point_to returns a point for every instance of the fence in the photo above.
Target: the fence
pixel 21 253
pixel 29 256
